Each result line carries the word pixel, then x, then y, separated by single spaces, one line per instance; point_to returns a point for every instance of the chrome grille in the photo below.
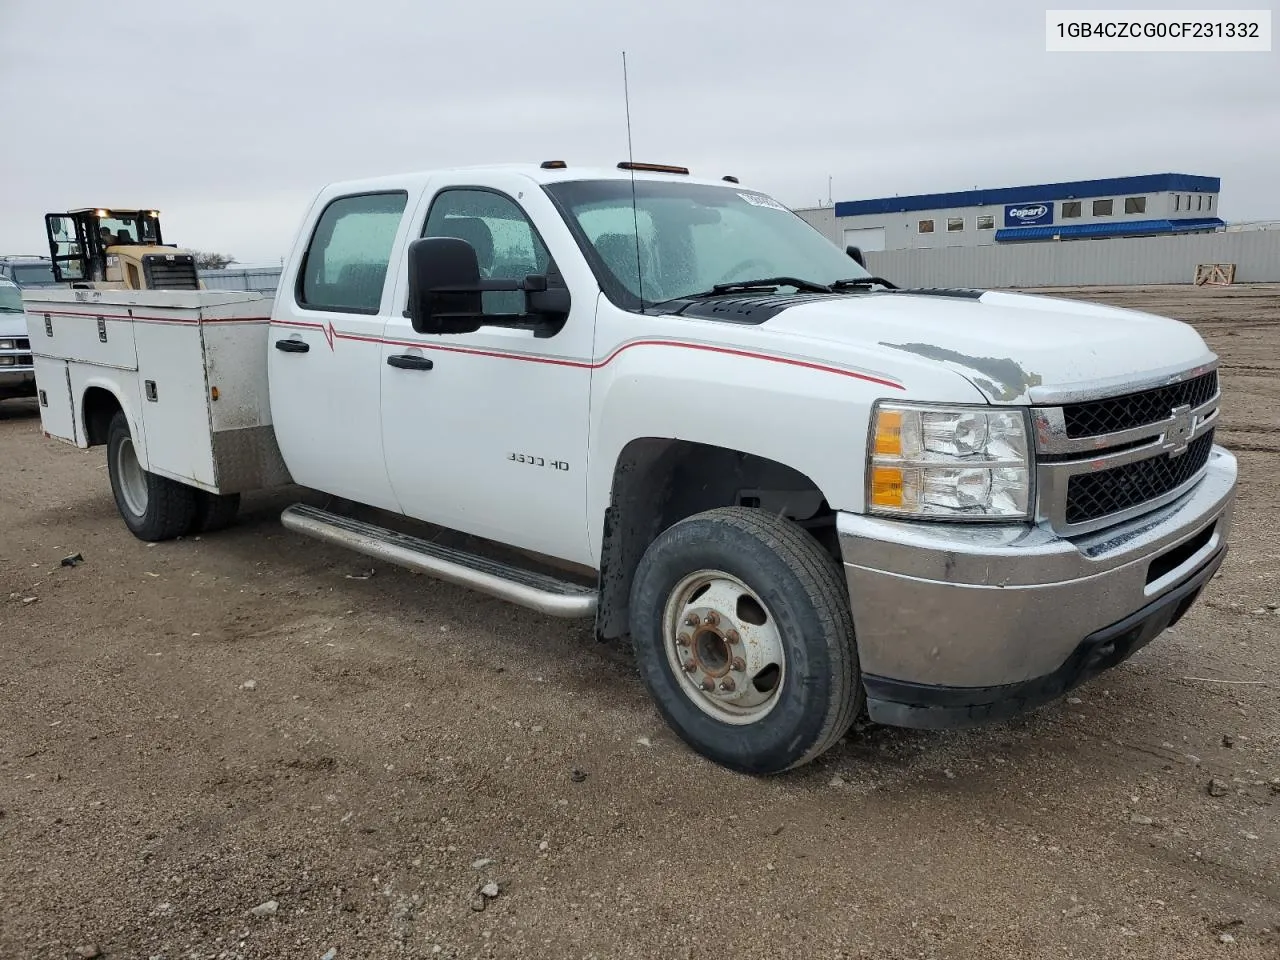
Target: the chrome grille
pixel 1137 409
pixel 1093 495
pixel 1102 461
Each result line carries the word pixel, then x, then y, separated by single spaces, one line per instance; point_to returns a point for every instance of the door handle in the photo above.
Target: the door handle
pixel 409 361
pixel 293 346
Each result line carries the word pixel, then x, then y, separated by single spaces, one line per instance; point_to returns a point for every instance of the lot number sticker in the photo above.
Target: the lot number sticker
pixel 760 200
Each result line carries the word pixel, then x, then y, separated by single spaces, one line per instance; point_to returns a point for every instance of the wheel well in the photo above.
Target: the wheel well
pixel 100 405
pixel 659 482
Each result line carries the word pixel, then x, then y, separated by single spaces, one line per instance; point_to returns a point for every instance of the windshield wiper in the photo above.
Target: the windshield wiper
pixel 853 282
pixel 809 286
pixel 764 283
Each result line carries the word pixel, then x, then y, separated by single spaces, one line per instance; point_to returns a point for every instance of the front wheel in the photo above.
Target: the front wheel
pixel 153 507
pixel 744 637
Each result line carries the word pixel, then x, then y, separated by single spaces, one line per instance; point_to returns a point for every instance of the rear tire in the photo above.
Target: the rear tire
pixel 153 507
pixel 773 637
pixel 215 511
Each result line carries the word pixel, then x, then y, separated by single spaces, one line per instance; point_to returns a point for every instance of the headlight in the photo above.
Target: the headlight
pixel 8 361
pixel 8 345
pixel 963 463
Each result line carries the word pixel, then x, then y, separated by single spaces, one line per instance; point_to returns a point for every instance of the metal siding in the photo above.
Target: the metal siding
pixel 1123 261
pixel 1113 186
pixel 261 280
pixel 822 219
pixel 901 228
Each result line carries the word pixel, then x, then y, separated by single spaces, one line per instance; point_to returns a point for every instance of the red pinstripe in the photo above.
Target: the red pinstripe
pixel 120 316
pixel 331 334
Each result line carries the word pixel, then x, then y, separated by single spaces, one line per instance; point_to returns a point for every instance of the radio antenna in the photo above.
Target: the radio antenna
pixel 631 159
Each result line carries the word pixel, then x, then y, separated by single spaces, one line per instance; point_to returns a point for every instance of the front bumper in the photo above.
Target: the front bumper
pixel 17 382
pixel 958 624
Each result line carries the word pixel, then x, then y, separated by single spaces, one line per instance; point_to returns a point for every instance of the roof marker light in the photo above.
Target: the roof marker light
pixel 553 165
pixel 652 167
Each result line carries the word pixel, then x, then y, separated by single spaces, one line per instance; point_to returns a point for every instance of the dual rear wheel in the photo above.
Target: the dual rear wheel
pixel 154 507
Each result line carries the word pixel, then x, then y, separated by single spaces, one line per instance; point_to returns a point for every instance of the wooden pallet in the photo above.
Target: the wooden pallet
pixel 1215 274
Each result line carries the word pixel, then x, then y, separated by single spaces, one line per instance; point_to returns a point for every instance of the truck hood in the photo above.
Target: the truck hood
pixel 1015 348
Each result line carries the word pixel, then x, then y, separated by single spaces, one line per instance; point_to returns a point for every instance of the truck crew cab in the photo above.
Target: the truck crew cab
pixel 801 491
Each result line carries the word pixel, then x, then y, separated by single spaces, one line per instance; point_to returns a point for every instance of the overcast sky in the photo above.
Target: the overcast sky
pixel 228 117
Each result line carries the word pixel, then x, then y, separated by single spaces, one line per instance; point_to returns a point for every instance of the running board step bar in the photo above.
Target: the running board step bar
pixel 557 598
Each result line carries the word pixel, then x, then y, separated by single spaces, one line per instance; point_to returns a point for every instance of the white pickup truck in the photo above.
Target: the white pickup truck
pixel 801 491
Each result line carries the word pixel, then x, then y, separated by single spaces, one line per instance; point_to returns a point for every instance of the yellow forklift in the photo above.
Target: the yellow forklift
pixel 114 249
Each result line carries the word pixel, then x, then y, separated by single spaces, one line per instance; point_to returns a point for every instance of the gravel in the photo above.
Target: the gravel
pixel 377 739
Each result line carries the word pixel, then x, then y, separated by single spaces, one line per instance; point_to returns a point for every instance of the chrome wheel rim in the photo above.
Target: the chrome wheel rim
pixel 133 481
pixel 723 646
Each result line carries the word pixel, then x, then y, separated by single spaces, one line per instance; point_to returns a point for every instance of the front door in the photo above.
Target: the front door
pixel 486 432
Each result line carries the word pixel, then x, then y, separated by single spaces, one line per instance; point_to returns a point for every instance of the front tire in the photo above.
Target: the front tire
pixel 744 637
pixel 153 507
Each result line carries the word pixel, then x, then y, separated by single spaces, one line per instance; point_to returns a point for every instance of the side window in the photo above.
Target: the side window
pixel 507 247
pixel 346 264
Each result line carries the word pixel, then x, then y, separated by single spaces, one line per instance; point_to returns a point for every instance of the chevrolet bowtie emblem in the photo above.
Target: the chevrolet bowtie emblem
pixel 1178 436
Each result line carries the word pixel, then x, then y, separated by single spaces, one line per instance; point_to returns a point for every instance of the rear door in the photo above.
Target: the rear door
pixel 324 351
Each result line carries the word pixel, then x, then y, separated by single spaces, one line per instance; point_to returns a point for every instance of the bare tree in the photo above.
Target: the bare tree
pixel 212 261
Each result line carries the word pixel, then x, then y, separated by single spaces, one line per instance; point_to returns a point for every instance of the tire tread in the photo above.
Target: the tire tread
pixel 171 506
pixel 827 596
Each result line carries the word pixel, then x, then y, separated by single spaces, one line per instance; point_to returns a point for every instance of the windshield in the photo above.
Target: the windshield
pixel 126 228
pixel 10 298
pixel 35 274
pixel 691 237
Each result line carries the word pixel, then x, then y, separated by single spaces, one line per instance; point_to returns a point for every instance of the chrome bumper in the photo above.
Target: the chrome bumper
pixel 17 382
pixel 939 605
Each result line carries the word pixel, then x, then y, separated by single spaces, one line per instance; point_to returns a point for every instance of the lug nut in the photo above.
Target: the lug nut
pixel 708 685
pixel 690 666
pixel 692 620
pixel 684 639
pixel 728 685
pixel 739 664
pixel 732 636
pixel 711 618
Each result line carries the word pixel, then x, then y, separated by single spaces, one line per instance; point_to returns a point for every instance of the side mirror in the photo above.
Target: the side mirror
pixel 444 286
pixel 445 290
pixel 855 253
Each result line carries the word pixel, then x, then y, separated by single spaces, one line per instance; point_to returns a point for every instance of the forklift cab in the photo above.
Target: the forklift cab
pixel 116 249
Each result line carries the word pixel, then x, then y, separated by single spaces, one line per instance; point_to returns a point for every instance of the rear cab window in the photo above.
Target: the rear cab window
pixel 345 266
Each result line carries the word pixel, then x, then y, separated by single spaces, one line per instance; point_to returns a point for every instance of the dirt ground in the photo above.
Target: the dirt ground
pixel 192 729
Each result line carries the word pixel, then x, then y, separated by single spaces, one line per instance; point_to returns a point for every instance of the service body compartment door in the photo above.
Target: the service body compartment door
pixel 98 333
pixel 57 415
pixel 174 401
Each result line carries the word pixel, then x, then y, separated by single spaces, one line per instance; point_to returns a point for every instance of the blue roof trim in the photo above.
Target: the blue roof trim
pixel 1117 229
pixel 1043 192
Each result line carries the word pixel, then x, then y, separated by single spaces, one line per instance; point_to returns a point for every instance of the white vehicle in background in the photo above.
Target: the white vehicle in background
pixel 17 372
pixel 801 491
